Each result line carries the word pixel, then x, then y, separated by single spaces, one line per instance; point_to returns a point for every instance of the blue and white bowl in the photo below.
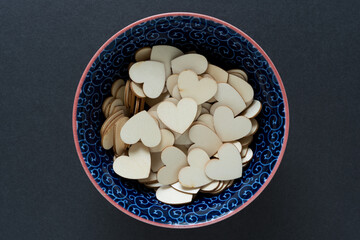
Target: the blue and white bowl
pixel 223 45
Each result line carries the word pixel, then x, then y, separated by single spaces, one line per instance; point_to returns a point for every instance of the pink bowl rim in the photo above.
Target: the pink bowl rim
pixel 74 126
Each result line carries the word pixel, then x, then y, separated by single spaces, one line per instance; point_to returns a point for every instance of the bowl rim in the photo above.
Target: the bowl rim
pixel 76 99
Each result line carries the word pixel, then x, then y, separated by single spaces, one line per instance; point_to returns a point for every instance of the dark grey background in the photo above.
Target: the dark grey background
pixel 46 45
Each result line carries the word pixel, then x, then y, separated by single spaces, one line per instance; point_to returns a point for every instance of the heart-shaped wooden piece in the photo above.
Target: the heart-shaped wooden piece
pixel 191 87
pixel 169 195
pixel 167 139
pixel 136 165
pixel 177 117
pixel 174 159
pixel 219 74
pixel 229 128
pixel 226 95
pixel 171 82
pixel 143 54
pixel 152 74
pixel 204 138
pixel 142 127
pixel 253 110
pixel 193 61
pixel 194 175
pixel 208 120
pixel 243 88
pixel 228 166
pixel 164 54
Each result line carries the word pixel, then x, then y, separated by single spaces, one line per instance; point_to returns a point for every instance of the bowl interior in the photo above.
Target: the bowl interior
pixel 223 47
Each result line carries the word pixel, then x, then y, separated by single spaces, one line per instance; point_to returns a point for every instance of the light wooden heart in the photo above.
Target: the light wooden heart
pixel 136 88
pixel 229 128
pixel 226 95
pixel 204 138
pixel 191 87
pixel 136 165
pixel 143 54
pixel 169 195
pixel 183 189
pixel 177 117
pixel 219 74
pixel 208 120
pixel 171 82
pixel 119 145
pixel 228 166
pixel 192 61
pixel 253 110
pixel 210 187
pixel 167 139
pixel 194 175
pixel 156 162
pixel 243 88
pixel 152 74
pixel 176 93
pixel 239 72
pixel 142 127
pixel 164 54
pixel 116 85
pixel 174 159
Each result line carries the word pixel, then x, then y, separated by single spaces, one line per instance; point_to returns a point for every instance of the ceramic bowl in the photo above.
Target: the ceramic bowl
pixel 223 45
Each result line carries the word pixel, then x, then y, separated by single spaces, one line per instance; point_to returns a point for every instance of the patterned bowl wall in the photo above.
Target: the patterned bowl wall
pixel 223 46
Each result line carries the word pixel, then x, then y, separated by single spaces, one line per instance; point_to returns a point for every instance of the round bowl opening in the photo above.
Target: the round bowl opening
pixel 223 45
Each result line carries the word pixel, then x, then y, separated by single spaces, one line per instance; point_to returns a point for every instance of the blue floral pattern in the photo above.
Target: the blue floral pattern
pixel 223 47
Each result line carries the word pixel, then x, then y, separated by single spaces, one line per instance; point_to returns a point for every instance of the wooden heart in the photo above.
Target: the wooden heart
pixel 169 195
pixel 219 74
pixel 167 139
pixel 192 61
pixel 164 54
pixel 243 88
pixel 174 159
pixel 152 74
pixel 226 95
pixel 171 82
pixel 253 110
pixel 194 175
pixel 229 128
pixel 191 87
pixel 143 54
pixel 177 117
pixel 204 138
pixel 183 189
pixel 208 120
pixel 228 166
pixel 142 127
pixel 136 165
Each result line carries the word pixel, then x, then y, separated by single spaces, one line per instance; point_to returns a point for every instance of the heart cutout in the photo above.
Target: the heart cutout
pixel 226 95
pixel 167 139
pixel 191 87
pixel 229 128
pixel 169 195
pixel 174 160
pixel 136 165
pixel 193 61
pixel 204 138
pixel 177 117
pixel 228 166
pixel 152 74
pixel 194 175
pixel 142 127
pixel 164 54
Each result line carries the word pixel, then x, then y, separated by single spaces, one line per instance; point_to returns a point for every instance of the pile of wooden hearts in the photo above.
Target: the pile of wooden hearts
pixel 195 133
